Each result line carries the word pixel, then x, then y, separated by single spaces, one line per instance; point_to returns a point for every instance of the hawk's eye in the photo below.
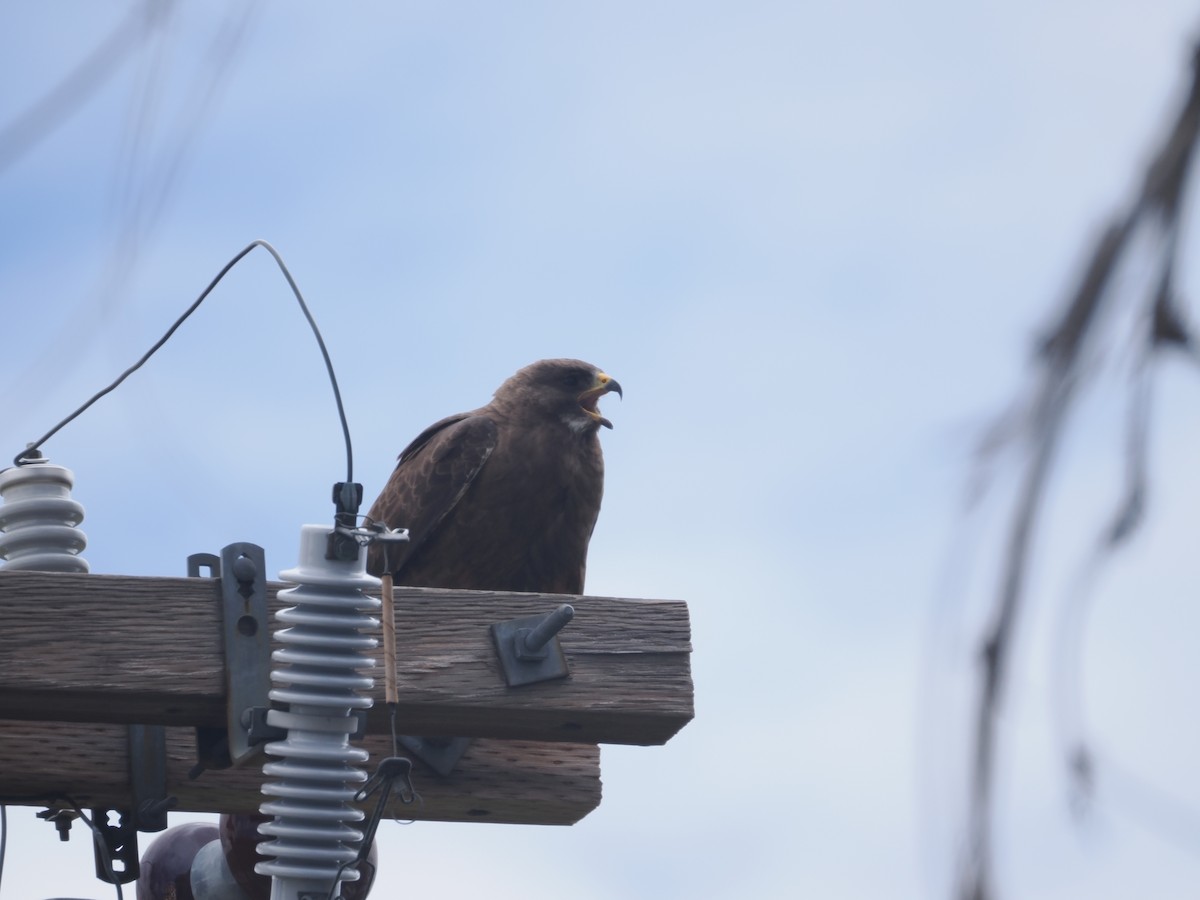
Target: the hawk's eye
pixel 575 379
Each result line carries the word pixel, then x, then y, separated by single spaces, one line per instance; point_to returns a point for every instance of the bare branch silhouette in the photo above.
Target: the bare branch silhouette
pixel 57 105
pixel 1037 429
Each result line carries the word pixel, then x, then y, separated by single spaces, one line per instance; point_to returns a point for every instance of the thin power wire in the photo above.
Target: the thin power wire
pixel 30 452
pixel 151 162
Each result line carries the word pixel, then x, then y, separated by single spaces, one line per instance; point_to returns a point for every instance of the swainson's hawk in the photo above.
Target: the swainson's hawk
pixel 503 498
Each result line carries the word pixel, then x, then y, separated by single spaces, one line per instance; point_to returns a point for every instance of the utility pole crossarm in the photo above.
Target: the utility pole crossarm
pixel 124 649
pixel 514 782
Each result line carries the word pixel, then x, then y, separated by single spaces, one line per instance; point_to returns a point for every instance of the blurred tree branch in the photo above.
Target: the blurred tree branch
pixel 19 136
pixel 1039 427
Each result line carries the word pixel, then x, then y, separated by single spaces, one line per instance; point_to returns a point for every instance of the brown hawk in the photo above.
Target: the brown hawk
pixel 503 498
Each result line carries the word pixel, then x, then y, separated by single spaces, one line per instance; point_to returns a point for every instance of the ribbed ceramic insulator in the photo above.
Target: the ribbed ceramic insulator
pixel 318 675
pixel 38 519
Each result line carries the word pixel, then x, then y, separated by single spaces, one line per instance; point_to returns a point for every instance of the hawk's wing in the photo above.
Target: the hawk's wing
pixel 432 475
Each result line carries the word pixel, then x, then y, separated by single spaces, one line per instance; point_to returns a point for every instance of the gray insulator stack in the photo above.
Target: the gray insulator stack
pixel 317 675
pixel 38 520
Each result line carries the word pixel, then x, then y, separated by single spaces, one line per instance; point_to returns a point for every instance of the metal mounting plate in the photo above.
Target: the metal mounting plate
pixel 246 641
pixel 439 753
pixel 246 637
pixel 521 666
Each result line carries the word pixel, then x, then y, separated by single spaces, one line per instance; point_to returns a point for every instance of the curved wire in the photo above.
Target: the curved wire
pixel 30 453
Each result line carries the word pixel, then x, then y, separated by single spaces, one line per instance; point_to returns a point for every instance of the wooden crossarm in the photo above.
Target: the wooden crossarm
pixel 496 781
pixel 125 649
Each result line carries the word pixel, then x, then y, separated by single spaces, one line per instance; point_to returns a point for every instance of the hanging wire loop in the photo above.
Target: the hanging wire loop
pixel 30 453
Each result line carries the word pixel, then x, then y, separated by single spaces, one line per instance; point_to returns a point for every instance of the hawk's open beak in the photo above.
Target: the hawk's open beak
pixel 604 384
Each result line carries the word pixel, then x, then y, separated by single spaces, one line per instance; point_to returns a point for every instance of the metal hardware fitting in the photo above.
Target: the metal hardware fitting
pixel 439 753
pixel 116 847
pixel 246 641
pixel 148 777
pixel 529 648
pixel 116 844
pixel 61 819
pixel 117 851
pixel 341 544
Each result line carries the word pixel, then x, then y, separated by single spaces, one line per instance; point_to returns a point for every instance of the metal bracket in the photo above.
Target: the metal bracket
pixel 116 847
pixel 148 777
pixel 439 753
pixel 341 544
pixel 246 640
pixel 529 648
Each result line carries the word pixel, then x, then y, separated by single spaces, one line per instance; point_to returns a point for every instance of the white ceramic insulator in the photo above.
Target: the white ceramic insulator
pixel 317 674
pixel 38 520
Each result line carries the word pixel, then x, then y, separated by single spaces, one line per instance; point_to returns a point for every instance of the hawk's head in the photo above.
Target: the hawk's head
pixel 565 389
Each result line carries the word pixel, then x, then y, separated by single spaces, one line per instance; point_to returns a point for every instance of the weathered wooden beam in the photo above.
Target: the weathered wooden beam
pixel 122 649
pixel 496 781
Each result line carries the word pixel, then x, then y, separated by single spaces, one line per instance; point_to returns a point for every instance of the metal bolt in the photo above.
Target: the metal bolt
pixel 531 642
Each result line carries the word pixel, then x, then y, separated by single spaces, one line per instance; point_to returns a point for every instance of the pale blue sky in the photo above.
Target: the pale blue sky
pixel 812 240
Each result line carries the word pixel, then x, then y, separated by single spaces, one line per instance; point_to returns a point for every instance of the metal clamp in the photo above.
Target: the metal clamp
pixel 529 648
pixel 116 847
pixel 246 640
pixel 148 777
